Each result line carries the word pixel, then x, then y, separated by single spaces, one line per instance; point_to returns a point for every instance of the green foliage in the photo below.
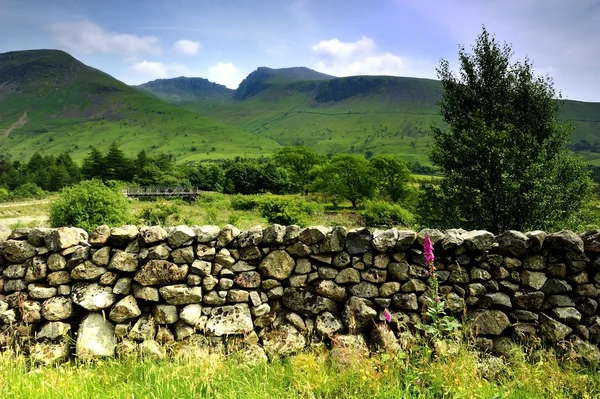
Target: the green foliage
pixel 299 161
pixel 89 204
pixel 160 214
pixel 288 211
pixel 247 176
pixel 241 202
pixel 392 176
pixel 504 152
pixel 347 176
pixel 28 191
pixel 384 214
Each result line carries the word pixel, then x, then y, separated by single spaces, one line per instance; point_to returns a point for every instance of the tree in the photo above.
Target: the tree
pixel 504 152
pixel 93 164
pixel 299 161
pixel 392 175
pixel 347 176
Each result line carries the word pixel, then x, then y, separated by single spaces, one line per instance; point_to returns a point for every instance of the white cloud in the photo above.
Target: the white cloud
pixel 186 47
pixel 362 58
pixel 88 37
pixel 159 70
pixel 225 73
pixel 337 49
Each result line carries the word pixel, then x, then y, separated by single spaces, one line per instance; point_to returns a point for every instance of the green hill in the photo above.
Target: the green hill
pixel 185 89
pixel 361 114
pixel 50 102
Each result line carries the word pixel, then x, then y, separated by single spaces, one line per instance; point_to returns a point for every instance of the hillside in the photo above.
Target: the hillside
pixel 185 89
pixel 361 114
pixel 50 102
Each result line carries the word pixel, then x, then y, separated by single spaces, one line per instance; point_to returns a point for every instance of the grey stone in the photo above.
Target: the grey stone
pixel 15 271
pixel 61 238
pixel 385 240
pixel 389 288
pixel 564 240
pixel 523 315
pixel 358 241
pixel 513 243
pixel 123 286
pixel 454 303
pixel 406 238
pixel 495 300
pixel 207 233
pixel 478 240
pixel 57 308
pixel 334 240
pixel 49 353
pixel 183 255
pixel 534 262
pixel 306 302
pixel 277 264
pixel 488 322
pixel 274 235
pixel 224 258
pixel 99 236
pixel 365 290
pixel 347 276
pixel 121 236
pixel 528 300
pixel 191 314
pixel 535 280
pixel 165 314
pixel 283 341
pixel 328 325
pixel 359 314
pixel 123 261
pixel 234 296
pixel 95 337
pixel 414 285
pixel 37 269
pixel 399 271
pixel 556 286
pixel 126 309
pixel 374 275
pixel 181 294
pixel 180 235
pixel 17 251
pixel 331 290
pixel 92 297
pixel 87 271
pixel 53 330
pixel 40 291
pixel 30 311
pixel 144 329
pixel 56 262
pixel 478 274
pixel 160 272
pixel 405 301
pixel 230 319
pixel 567 315
pixel 553 330
pixel 150 235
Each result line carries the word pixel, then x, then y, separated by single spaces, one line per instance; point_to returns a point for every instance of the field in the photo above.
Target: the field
pixel 457 371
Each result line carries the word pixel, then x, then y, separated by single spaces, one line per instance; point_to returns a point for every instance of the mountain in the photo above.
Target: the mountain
pixel 185 89
pixel 51 102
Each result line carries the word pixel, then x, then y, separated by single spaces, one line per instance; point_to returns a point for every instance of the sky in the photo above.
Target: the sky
pixel 224 40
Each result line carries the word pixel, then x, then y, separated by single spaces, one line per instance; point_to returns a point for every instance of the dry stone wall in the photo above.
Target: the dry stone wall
pixel 67 293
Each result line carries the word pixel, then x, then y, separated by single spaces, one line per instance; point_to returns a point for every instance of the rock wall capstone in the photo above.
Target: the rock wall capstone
pixel 69 293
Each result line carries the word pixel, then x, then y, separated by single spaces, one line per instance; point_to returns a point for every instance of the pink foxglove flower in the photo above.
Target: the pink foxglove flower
pixel 387 315
pixel 428 249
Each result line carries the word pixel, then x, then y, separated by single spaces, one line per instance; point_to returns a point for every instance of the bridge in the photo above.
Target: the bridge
pixel 187 193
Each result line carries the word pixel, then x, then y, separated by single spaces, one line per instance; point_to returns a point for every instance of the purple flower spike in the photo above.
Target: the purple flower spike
pixel 387 316
pixel 428 249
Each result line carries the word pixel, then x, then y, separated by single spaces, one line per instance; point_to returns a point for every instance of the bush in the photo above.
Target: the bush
pixel 381 213
pixel 241 202
pixel 288 211
pixel 160 214
pixel 88 205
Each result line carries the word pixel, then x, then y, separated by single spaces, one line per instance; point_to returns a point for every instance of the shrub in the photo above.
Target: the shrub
pixel 160 214
pixel 288 211
pixel 89 204
pixel 381 213
pixel 241 202
pixel 27 191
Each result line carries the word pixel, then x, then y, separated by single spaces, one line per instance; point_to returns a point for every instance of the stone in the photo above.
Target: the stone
pixel 180 235
pixel 534 280
pixel 201 268
pixel 121 236
pixel 399 271
pixel 459 276
pixel 495 300
pixel 99 236
pixel 331 290
pixel 64 290
pixel 158 252
pixel 359 314
pixel 299 249
pixel 205 252
pixel 580 349
pixel 374 275
pixel 534 262
pixel 275 293
pixel 164 336
pixel 242 266
pixel 14 285
pixel 476 289
pixel 40 291
pixel 328 325
pixel 109 278
pixel 53 330
pixel 207 233
pixel 553 330
pixel 56 262
pixel 61 238
pixel 224 258
pixel 334 240
pixel 284 340
pixel 591 241
pixel 414 285
pixel 564 240
pixel 567 315
pixel 559 301
pixel 123 286
pixel 37 269
pixel 306 302
pixel 454 303
pixel 49 353
pixel 226 236
pixel 251 237
pixel 92 296
pixel 358 241
pixel 17 251
pixel 126 309
pixel 273 235
pixel 523 316
pixel 277 264
pixel 87 271
pixel 230 319
pixel 234 296
pixel 365 290
pixel 347 276
pixel 181 294
pixel 313 235
pixel 57 308
pixel 587 290
pixel 488 322
pixel 183 330
pixel 30 311
pixel 327 272
pixel 512 263
pixel 15 271
pixel 183 255
pixel 249 279
pixel 123 261
pixel 389 288
pixel 478 274
pixel 385 240
pixel 95 337
pixel 261 310
pixel 165 314
pixel 536 240
pixel 405 301
pixel 556 286
pixel 528 300
pixel 406 238
pixel 512 243
pixel 384 340
pixel 587 306
pixel 160 272
pixel 150 235
pixel 478 240
pixel 209 282
pixel 191 314
pixel 144 329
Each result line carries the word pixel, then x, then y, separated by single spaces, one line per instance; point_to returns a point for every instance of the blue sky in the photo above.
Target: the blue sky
pixel 224 40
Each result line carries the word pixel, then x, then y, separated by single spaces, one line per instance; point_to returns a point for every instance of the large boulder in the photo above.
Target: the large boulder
pixel 160 272
pixel 385 240
pixel 17 251
pixel 488 322
pixel 180 235
pixel 358 241
pixel 57 308
pixel 93 296
pixel 564 240
pixel 277 264
pixel 123 261
pixel 62 238
pixel 306 302
pixel 151 235
pixel 512 243
pixel 553 330
pixel 126 309
pixel 96 337
pixel 228 320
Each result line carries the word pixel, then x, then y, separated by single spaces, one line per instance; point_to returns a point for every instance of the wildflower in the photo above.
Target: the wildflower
pixel 387 315
pixel 428 249
pixel 418 381
pixel 437 299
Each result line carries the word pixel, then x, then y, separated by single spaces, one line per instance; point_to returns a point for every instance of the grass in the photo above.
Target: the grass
pixel 420 373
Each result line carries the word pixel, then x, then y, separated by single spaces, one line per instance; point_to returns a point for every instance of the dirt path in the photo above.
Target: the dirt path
pixel 20 123
pixel 24 203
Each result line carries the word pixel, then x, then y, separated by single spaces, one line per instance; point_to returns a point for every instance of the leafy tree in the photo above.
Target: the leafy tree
pixel 347 176
pixel 504 152
pixel 392 175
pixel 88 205
pixel 299 161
